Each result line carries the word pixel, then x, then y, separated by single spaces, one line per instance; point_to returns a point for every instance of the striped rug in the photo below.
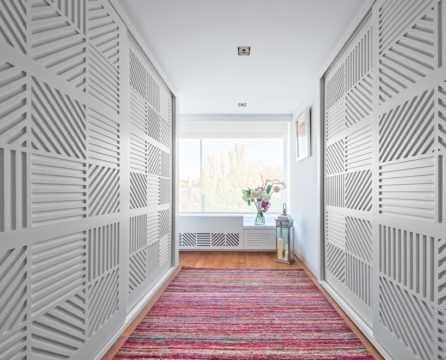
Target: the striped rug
pixel 242 314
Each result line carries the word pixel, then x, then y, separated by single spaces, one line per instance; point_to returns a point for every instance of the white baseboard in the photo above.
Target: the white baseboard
pixel 308 266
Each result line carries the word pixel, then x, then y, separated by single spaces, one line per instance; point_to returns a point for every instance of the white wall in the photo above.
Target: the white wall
pixel 304 190
pixel 227 124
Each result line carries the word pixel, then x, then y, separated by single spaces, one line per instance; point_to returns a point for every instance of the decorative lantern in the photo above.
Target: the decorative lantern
pixel 284 238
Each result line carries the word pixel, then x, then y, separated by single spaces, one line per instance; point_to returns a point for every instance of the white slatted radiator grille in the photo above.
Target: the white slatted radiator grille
pixel 214 232
pixel 385 176
pixel 210 232
pixel 85 177
pixel 260 239
pixel 209 240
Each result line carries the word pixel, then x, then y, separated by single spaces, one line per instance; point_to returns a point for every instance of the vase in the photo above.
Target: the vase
pixel 260 218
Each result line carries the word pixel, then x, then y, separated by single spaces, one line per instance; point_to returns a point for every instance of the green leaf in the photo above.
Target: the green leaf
pixel 268 188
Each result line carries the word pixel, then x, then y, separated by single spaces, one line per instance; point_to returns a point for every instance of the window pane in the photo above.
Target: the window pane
pixel 230 165
pixel 189 175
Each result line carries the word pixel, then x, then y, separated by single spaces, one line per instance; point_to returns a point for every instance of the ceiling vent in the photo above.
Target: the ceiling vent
pixel 244 50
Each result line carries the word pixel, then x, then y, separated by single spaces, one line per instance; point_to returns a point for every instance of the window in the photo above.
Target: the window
pixel 213 172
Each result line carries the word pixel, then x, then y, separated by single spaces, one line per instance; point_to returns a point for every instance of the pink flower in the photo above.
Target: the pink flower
pixel 259 195
pixel 265 205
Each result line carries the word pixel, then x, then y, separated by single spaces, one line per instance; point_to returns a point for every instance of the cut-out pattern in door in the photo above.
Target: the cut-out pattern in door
pixel 75 152
pixel 150 163
pixel 385 176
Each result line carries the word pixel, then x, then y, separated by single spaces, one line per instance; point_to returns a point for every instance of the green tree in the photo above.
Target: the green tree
pixel 225 175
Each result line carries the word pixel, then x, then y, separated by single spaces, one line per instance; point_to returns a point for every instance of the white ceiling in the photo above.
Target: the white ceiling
pixel 195 42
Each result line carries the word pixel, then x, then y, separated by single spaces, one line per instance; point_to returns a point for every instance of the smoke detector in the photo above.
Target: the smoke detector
pixel 244 50
pixel 242 104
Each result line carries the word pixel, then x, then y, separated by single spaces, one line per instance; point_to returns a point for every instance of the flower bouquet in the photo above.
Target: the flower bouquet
pixel 261 197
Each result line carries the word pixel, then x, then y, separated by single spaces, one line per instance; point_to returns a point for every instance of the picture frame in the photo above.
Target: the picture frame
pixel 303 134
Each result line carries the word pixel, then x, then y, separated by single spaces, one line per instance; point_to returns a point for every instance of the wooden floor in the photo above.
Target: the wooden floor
pixel 240 260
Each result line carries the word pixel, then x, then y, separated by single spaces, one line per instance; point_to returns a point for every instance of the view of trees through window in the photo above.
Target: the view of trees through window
pixel 214 171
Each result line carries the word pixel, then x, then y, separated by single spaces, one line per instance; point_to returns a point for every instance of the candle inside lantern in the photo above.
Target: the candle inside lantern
pixel 279 248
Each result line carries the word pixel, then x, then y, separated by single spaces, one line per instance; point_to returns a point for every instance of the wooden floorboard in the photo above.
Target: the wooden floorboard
pixel 239 260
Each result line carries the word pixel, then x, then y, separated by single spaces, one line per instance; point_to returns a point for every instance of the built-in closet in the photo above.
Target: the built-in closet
pixel 384 133
pixel 85 177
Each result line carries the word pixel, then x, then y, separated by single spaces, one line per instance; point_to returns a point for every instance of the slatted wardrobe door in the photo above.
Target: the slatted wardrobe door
pixel 385 179
pixel 64 178
pixel 150 175
pixel 410 229
pixel 348 172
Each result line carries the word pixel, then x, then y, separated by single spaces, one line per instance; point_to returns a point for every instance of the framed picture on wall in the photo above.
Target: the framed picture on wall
pixel 303 134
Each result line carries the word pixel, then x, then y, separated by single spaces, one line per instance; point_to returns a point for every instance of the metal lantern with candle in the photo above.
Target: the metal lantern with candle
pixel 284 238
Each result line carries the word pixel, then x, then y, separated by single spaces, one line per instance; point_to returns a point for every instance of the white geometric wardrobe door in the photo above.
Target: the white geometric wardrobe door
pixel 348 178
pixel 79 162
pixel 409 226
pixel 150 175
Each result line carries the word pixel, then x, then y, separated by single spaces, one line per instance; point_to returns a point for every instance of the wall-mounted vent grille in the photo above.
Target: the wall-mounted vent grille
pixel 209 240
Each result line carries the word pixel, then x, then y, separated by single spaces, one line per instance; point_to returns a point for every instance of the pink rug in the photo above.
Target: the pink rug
pixel 242 314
